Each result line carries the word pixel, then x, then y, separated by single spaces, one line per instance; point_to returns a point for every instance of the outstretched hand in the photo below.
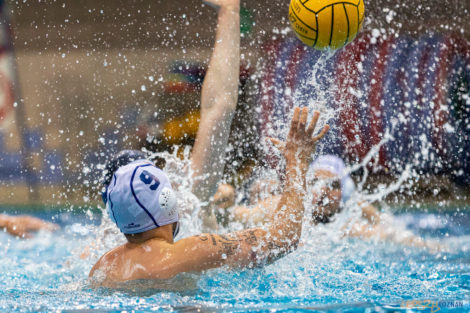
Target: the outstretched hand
pixel 301 142
pixel 23 226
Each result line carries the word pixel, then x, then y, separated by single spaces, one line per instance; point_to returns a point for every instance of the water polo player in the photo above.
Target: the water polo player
pixel 329 184
pixel 140 199
pixel 331 187
pixel 331 190
pixel 141 202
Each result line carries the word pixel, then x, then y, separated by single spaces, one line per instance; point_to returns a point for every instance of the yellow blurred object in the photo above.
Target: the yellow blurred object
pixel 192 123
pixel 326 24
pixel 178 128
pixel 173 131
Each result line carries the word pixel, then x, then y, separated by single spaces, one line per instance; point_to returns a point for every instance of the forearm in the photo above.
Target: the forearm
pixel 209 221
pixel 218 103
pixel 286 220
pixel 245 248
pixel 220 87
pixel 4 221
pixel 259 213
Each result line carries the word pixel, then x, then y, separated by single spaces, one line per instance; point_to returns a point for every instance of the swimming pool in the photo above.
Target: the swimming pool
pixel 46 273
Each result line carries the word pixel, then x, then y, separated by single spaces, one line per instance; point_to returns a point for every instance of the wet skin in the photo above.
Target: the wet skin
pixel 326 193
pixel 153 255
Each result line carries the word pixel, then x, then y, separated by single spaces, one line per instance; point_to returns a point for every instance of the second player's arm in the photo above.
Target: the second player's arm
pixel 218 101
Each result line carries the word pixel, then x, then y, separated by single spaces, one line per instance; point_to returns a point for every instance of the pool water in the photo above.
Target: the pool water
pixel 46 273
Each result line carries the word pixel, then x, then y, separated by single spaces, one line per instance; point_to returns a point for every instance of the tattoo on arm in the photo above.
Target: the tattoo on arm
pixel 230 243
pixel 250 237
pixel 214 242
pixel 226 238
pixel 202 237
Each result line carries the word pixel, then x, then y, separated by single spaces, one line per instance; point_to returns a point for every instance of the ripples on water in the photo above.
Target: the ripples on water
pixel 326 272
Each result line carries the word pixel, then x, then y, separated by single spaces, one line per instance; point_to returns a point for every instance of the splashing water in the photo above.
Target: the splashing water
pixel 327 269
pixel 329 272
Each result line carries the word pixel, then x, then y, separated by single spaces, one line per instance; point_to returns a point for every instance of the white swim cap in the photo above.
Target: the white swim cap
pixel 139 198
pixel 336 166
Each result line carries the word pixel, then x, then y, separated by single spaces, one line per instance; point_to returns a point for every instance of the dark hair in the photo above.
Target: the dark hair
pixel 324 218
pixel 123 158
pixel 321 219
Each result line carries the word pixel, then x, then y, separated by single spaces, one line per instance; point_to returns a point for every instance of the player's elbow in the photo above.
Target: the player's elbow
pixel 293 244
pixel 289 245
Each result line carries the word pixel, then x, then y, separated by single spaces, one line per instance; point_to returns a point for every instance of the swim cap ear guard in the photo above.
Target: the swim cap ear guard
pixel 167 201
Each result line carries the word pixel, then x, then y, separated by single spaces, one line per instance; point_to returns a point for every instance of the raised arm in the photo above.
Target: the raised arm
pixel 218 101
pixel 255 247
pixel 286 221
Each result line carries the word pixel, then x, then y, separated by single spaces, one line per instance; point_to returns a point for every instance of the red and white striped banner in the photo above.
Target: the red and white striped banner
pixel 6 72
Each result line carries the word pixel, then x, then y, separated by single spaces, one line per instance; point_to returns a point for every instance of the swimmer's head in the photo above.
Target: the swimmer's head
pixel 138 195
pixel 331 187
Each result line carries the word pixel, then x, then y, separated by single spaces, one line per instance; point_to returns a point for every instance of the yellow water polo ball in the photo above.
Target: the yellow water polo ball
pixel 326 24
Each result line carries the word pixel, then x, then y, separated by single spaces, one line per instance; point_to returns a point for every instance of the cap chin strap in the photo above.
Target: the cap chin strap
pixel 104 196
pixel 176 230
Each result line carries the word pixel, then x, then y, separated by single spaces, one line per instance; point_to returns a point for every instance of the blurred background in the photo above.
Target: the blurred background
pixel 81 80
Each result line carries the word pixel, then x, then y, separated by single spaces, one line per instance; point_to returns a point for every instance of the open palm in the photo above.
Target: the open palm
pixel 301 141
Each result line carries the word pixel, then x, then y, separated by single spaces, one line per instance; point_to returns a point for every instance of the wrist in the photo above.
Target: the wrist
pixel 296 169
pixel 295 186
pixel 297 163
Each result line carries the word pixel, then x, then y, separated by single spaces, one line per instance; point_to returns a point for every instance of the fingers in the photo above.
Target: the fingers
pixel 51 227
pixel 313 123
pixel 303 120
pixel 298 123
pixel 295 122
pixel 19 233
pixel 274 141
pixel 277 143
pixel 322 133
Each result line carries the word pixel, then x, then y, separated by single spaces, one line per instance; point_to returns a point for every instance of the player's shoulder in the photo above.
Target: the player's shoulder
pixel 105 262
